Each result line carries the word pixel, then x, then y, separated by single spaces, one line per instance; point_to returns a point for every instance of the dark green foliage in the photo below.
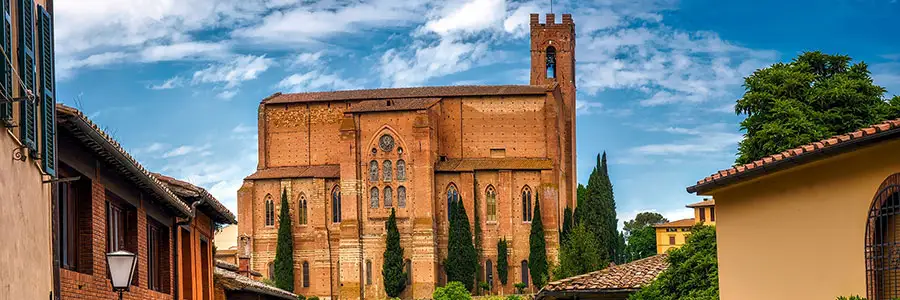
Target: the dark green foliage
pixel 313 298
pixel 502 263
pixel 392 267
pixel 513 297
pixel 537 256
pixel 484 286
pixel 813 97
pixel 642 220
pixel 855 297
pixel 641 243
pixel 284 250
pixel 520 287
pixel 462 259
pixel 568 222
pixel 580 254
pixel 301 297
pixel 693 272
pixel 597 210
pixel 580 195
pixel 452 291
pixel 479 272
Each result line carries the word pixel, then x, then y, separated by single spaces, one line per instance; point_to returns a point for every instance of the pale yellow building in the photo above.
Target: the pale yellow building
pixel 226 244
pixel 673 234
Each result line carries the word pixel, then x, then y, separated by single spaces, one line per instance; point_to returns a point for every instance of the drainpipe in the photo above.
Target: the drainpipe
pixel 175 261
pixel 185 221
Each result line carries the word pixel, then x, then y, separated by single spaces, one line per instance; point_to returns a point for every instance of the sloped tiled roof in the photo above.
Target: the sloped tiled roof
pixel 470 164
pixel 704 203
pixel 393 105
pixel 232 281
pixel 678 223
pixel 214 208
pixel 317 171
pixel 797 156
pixel 107 148
pixel 625 277
pixel 412 92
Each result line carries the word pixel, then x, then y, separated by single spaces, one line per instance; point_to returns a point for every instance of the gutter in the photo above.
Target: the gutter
pixel 793 161
pixel 544 294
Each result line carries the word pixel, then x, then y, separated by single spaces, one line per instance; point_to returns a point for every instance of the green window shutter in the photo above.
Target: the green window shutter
pixel 6 68
pixel 28 111
pixel 48 92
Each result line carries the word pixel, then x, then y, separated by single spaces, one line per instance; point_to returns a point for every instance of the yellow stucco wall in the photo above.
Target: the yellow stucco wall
pixel 800 233
pixel 25 259
pixel 709 212
pixel 663 242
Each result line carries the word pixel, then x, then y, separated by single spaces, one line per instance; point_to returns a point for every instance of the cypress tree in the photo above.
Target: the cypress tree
pixel 284 249
pixel 392 267
pixel 566 226
pixel 478 239
pixel 537 257
pixel 598 209
pixel 580 195
pixel 462 259
pixel 502 263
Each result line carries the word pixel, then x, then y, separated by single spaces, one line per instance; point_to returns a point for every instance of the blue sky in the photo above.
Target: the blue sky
pixel 178 82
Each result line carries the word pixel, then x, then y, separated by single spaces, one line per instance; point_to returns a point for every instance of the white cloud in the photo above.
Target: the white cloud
pixel 470 17
pixel 227 94
pixel 308 59
pixel 235 71
pixel 701 141
pixel 171 83
pixel 316 80
pixel 185 150
pixel 888 75
pixel 415 66
pixel 185 50
pixel 241 128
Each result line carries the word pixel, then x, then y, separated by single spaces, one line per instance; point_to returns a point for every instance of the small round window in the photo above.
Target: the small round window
pixel 386 142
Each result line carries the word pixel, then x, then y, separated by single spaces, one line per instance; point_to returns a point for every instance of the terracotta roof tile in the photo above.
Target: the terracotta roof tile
pixel 185 189
pixel 630 276
pixel 470 164
pixel 316 171
pixel 232 281
pixel 704 203
pixel 393 105
pixel 678 223
pixel 413 92
pixel 891 126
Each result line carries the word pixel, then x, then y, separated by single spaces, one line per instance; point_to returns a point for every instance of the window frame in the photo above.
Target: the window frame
pixel 157 240
pixel 527 204
pixel 306 274
pixel 336 204
pixel 303 217
pixel 490 194
pixel 269 211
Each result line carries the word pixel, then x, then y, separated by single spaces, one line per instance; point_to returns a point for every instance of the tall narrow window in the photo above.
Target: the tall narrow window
pixel 408 265
pixel 272 270
pixel 302 209
pixel 489 273
pixel 388 197
pixel 671 240
pixel 387 170
pixel 305 274
pixel 712 213
pixel 336 205
pixel 270 211
pixel 702 214
pixel 401 170
pixel 452 197
pixel 491 196
pixel 526 204
pixel 68 233
pixel 401 196
pixel 373 197
pixel 368 272
pixel 157 256
pixel 525 272
pixel 551 62
pixel 373 171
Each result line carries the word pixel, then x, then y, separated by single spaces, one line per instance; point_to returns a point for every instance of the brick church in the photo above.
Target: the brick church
pixel 346 158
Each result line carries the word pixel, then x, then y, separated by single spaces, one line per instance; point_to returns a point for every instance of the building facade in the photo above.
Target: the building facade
pixel 28 162
pixel 345 159
pixel 674 234
pixel 814 222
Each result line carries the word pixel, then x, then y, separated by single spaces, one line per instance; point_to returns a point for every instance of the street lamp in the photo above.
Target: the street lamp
pixel 121 268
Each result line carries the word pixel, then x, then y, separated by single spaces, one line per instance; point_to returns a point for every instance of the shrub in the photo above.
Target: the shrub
pixel 267 281
pixel 484 286
pixel 693 271
pixel 313 298
pixel 513 297
pixel 452 291
pixel 856 297
pixel 520 287
pixel 301 297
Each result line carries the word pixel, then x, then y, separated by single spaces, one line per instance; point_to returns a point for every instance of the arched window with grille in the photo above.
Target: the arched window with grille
pixel 336 205
pixel 387 170
pixel 388 197
pixel 551 62
pixel 373 171
pixel 305 274
pixel 401 196
pixel 526 204
pixel 401 170
pixel 525 272
pixel 491 196
pixel 489 273
pixel 452 197
pixel 302 209
pixel 270 210
pixel 373 197
pixel 883 242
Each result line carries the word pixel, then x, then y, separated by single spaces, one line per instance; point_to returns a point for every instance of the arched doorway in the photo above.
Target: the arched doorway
pixel 883 242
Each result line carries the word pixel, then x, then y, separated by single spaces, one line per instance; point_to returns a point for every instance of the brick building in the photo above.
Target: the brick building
pixel 107 202
pixel 346 158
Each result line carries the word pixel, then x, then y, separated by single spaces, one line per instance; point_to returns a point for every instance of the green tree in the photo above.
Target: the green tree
pixel 568 222
pixel 580 254
pixel 641 243
pixel 462 259
pixel 284 249
pixel 392 267
pixel 693 272
pixel 814 96
pixel 537 256
pixel 479 272
pixel 642 220
pixel 452 291
pixel 598 210
pixel 502 261
pixel 580 201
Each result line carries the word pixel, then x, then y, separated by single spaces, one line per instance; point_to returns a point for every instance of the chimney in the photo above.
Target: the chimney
pixel 551 19
pixel 535 19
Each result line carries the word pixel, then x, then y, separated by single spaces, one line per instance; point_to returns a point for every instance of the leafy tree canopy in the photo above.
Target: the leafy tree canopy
pixel 641 243
pixel 453 291
pixel 580 254
pixel 642 220
pixel 693 272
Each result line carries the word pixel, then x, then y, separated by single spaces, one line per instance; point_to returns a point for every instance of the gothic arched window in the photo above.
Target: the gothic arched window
pixel 401 170
pixel 882 240
pixel 401 196
pixel 373 197
pixel 388 197
pixel 525 272
pixel 452 198
pixel 551 62
pixel 302 209
pixel 336 205
pixel 305 274
pixel 489 272
pixel 270 211
pixel 373 171
pixel 526 204
pixel 388 170
pixel 491 196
